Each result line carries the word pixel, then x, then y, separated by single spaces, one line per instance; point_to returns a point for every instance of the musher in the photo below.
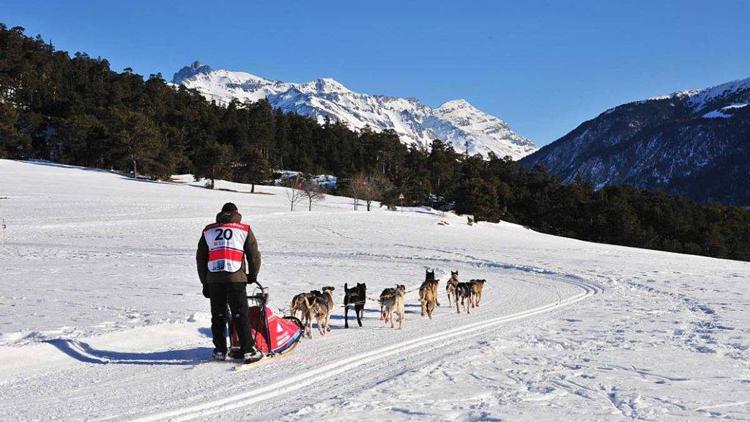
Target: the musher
pixel 222 251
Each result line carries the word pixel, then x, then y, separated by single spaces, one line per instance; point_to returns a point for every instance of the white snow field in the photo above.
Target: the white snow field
pixel 102 317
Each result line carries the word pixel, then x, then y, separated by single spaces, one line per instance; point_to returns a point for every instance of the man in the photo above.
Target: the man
pixel 222 251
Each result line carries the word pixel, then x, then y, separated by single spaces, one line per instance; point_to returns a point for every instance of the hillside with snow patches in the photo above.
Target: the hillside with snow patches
pixel 456 122
pixel 102 317
pixel 694 143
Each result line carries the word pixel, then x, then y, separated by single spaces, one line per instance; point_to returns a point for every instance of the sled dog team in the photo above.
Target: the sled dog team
pixel 318 304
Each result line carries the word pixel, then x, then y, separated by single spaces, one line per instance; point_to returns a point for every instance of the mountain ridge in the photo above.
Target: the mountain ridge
pixel 694 142
pixel 456 122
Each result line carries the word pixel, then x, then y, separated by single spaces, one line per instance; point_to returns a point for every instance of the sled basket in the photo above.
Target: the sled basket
pixel 271 333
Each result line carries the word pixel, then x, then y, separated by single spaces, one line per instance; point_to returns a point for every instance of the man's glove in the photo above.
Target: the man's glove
pixel 206 294
pixel 252 279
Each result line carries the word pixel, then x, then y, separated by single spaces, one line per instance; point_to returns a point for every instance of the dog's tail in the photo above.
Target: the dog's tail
pixel 309 303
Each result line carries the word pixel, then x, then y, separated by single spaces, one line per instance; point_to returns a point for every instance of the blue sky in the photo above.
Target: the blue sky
pixel 542 66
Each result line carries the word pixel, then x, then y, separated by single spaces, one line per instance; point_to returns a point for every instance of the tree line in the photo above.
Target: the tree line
pixel 77 110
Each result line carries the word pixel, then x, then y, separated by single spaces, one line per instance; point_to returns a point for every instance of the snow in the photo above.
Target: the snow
pixel 326 181
pixel 456 122
pixel 699 98
pixel 716 114
pixel 102 318
pixel 722 112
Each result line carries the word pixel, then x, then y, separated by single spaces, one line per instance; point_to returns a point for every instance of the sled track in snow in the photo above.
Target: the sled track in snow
pixel 333 369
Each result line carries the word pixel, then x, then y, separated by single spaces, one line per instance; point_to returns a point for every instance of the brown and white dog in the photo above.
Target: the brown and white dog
pixel 298 306
pixel 430 276
pixel 477 285
pixel 301 304
pixel 450 286
pixel 428 297
pixel 392 302
pixel 328 296
pixel 386 293
pixel 317 305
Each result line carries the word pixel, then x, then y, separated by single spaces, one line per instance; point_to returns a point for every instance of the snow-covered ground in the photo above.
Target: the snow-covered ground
pixel 101 315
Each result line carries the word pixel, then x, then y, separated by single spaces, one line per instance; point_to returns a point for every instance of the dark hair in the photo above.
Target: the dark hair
pixel 229 207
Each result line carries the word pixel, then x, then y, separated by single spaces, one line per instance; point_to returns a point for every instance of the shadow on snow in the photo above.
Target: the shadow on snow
pixel 83 352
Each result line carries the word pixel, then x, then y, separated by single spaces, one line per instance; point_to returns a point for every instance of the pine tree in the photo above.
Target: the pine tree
pixel 13 144
pixel 136 138
pixel 253 169
pixel 214 162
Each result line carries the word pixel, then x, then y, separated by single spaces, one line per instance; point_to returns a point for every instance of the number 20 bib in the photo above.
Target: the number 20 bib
pixel 226 244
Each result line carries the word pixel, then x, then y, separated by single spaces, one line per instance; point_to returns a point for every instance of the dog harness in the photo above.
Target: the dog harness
pixel 226 244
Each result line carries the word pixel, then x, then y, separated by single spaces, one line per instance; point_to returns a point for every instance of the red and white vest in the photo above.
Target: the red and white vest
pixel 226 243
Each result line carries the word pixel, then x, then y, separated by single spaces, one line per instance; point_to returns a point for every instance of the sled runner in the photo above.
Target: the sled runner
pixel 273 335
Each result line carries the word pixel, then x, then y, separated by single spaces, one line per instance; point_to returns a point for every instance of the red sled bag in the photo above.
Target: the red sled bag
pixel 267 328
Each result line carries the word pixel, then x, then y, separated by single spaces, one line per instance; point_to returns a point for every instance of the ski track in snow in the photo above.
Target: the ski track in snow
pixel 294 383
pixel 104 318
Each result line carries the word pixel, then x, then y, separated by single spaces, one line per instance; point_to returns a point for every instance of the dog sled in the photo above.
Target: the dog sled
pixel 273 335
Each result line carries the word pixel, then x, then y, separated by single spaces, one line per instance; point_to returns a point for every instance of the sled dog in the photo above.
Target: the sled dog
pixel 430 276
pixel 355 297
pixel 463 292
pixel 385 294
pixel 477 285
pixel 301 304
pixel 298 306
pixel 328 297
pixel 317 304
pixel 450 286
pixel 392 302
pixel 428 297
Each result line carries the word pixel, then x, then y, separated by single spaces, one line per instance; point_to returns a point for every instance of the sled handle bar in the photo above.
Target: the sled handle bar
pixel 262 292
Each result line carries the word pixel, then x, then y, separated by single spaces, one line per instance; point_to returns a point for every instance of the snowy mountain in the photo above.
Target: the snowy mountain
pixel 695 143
pixel 456 122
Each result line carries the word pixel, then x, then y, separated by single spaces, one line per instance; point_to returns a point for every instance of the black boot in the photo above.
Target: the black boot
pixel 253 355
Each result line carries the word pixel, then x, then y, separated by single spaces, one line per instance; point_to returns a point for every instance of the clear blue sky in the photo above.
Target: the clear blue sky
pixel 542 66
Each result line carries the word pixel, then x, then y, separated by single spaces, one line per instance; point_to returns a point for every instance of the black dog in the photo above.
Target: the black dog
pixel 356 297
pixel 463 292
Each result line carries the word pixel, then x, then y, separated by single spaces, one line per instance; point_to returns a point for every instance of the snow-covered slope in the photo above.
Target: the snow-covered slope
pixel 456 122
pixel 101 315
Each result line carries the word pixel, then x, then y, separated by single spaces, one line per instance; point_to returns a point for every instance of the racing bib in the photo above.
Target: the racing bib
pixel 226 244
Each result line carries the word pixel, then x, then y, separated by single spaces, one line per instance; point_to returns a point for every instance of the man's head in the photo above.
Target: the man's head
pixel 229 207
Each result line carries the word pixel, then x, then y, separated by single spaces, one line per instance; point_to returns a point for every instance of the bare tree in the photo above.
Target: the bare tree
pixel 294 192
pixel 368 188
pixel 357 185
pixel 312 191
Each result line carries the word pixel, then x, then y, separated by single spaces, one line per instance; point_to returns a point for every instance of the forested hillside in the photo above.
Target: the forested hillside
pixel 77 110
pixel 694 143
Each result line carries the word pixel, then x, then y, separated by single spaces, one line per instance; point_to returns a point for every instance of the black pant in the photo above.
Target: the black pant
pixel 235 294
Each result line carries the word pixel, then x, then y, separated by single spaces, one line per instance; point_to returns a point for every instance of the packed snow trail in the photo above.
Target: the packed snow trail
pixel 295 383
pixel 104 319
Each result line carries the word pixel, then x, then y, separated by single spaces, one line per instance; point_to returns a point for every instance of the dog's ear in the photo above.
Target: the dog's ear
pixel 345 287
